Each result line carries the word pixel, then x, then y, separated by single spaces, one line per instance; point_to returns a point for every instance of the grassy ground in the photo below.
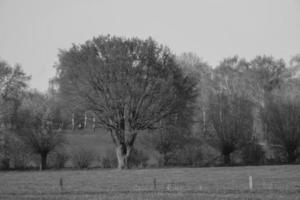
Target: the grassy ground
pixel 269 182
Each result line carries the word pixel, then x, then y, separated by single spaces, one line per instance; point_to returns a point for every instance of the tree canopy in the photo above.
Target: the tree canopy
pixel 130 84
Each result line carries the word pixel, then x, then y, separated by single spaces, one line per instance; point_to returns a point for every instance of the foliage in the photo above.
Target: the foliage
pixel 13 81
pixel 137 159
pixel 82 157
pixel 36 129
pixel 14 153
pixel 253 153
pixel 186 155
pixel 59 158
pixel 230 109
pixel 281 117
pixel 109 160
pixel 130 84
pixel 268 72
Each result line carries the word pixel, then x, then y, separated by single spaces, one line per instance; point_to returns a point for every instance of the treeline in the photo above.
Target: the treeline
pixel 192 114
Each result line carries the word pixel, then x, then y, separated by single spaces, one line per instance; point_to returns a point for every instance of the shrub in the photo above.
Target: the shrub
pixel 110 159
pixel 137 159
pixel 253 153
pixel 188 155
pixel 15 154
pixel 58 159
pixel 82 157
pixel 4 165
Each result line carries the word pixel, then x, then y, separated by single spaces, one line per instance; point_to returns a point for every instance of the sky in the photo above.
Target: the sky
pixel 33 31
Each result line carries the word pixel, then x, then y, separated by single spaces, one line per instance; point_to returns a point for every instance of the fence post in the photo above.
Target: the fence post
pixel 73 121
pixel 61 184
pixel 250 183
pixel 154 183
pixel 94 123
pixel 85 120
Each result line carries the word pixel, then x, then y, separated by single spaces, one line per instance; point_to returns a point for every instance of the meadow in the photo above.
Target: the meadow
pixel 269 182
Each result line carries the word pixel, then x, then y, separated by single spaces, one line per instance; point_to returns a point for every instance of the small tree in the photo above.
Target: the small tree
pixel 42 141
pixel 36 127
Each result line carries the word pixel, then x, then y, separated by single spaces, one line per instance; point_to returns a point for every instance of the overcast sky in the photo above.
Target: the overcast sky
pixel 32 31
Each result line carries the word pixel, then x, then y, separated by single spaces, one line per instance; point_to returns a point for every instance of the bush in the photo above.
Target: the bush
pixel 5 163
pixel 188 155
pixel 110 159
pixel 14 153
pixel 137 159
pixel 82 157
pixel 253 153
pixel 210 156
pixel 58 159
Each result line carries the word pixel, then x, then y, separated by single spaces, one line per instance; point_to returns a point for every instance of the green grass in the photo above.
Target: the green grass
pixel 270 182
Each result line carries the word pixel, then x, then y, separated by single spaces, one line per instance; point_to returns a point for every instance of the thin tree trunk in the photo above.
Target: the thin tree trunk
pixel 292 157
pixel 227 159
pixel 44 160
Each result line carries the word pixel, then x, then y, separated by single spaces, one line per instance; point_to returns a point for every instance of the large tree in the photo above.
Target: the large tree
pixel 130 84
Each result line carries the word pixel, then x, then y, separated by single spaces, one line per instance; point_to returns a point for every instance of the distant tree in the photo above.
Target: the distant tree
pixel 130 84
pixel 295 61
pixel 267 71
pixel 282 116
pixel 203 73
pixel 13 81
pixel 294 68
pixel 230 108
pixel 232 121
pixel 36 129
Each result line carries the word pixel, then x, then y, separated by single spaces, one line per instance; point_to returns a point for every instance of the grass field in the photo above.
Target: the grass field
pixel 269 182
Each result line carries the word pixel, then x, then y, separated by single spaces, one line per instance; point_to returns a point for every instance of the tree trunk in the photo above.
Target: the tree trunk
pixel 123 152
pixel 292 156
pixel 44 160
pixel 227 159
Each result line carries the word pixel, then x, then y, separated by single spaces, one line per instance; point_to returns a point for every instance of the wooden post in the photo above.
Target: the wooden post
pixel 250 183
pixel 85 120
pixel 61 184
pixel 154 183
pixel 204 120
pixel 200 187
pixel 94 123
pixel 73 121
